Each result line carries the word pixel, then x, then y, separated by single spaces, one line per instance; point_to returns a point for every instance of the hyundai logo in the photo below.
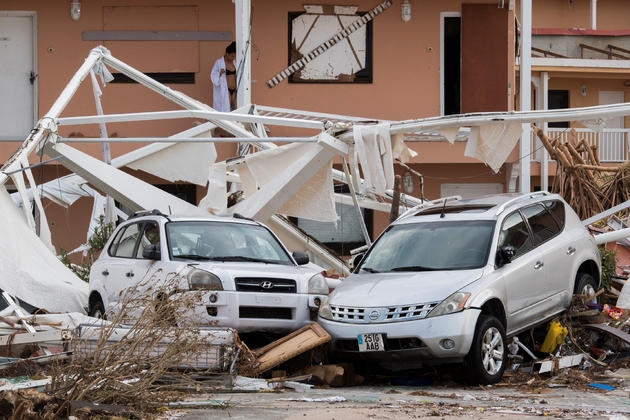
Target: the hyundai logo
pixel 266 285
pixel 374 315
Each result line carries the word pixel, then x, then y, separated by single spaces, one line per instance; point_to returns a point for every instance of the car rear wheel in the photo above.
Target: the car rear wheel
pixel 585 285
pixel 97 309
pixel 487 359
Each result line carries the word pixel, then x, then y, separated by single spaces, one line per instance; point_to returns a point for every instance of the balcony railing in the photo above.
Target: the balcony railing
pixel 612 144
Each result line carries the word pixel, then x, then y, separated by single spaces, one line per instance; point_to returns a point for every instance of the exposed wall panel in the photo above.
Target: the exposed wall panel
pixel 158 56
pixel 485 58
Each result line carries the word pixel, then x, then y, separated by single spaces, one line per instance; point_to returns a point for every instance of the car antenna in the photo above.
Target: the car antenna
pixel 442 215
pixel 169 210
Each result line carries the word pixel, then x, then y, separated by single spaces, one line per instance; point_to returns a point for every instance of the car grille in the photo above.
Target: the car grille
pixel 391 344
pixel 377 315
pixel 265 285
pixel 264 313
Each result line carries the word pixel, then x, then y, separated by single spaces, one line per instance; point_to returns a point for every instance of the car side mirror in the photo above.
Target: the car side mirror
pixel 300 257
pixel 505 254
pixel 357 259
pixel 151 252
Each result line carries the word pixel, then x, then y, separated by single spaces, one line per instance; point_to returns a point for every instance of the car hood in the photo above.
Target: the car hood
pixel 395 289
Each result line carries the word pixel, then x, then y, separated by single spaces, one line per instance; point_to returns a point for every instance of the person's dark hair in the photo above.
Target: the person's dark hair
pixel 231 49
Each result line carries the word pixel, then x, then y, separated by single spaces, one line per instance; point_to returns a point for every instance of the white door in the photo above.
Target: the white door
pixel 609 98
pixel 18 113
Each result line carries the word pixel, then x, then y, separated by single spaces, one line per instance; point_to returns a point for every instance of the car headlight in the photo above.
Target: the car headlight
pixel 317 285
pixel 324 309
pixel 453 303
pixel 203 280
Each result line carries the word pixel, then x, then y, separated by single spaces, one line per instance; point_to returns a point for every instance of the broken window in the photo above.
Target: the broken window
pixel 347 61
pixel 514 232
pixel 543 224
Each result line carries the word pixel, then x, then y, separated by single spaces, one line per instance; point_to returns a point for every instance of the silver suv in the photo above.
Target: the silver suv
pixel 449 283
pixel 249 280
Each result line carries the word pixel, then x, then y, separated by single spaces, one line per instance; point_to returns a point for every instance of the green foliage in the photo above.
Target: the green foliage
pixel 96 243
pixel 609 265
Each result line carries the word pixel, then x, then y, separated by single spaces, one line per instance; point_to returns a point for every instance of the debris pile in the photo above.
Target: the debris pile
pixel 581 179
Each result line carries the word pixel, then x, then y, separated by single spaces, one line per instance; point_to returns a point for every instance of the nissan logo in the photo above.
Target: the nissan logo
pixel 374 315
pixel 266 285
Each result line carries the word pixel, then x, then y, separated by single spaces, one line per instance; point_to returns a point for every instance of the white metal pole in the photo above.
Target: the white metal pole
pixel 525 94
pixel 593 14
pixel 544 161
pixel 243 10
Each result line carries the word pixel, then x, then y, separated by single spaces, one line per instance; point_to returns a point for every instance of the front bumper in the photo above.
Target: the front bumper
pixel 257 312
pixel 408 343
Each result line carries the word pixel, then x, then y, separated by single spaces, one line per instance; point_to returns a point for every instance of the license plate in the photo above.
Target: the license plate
pixel 371 342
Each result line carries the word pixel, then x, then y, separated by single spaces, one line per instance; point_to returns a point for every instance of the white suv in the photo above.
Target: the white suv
pixel 249 280
pixel 450 282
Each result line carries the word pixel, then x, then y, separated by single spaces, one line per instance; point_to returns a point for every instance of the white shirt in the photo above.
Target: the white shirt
pixel 220 93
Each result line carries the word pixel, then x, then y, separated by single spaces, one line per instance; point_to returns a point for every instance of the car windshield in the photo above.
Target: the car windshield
pixel 431 246
pixel 220 241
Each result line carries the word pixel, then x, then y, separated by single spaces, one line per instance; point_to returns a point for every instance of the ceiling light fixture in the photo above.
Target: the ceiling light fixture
pixel 405 11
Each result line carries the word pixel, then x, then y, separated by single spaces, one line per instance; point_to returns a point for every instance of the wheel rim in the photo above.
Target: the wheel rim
pixel 492 351
pixel 588 290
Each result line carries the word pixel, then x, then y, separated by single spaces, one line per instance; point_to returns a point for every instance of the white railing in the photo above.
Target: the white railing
pixel 612 144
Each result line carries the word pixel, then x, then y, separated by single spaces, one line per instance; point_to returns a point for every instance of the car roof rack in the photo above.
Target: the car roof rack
pixel 520 198
pixel 154 212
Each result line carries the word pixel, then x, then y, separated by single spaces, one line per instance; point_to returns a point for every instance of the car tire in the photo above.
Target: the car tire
pixel 97 310
pixel 486 361
pixel 585 284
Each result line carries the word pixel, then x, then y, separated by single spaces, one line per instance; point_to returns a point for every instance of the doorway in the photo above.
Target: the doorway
pixel 18 74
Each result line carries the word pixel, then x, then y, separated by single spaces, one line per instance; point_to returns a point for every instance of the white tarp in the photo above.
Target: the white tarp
pixel 182 162
pixel 29 271
pixel 492 144
pixel 314 200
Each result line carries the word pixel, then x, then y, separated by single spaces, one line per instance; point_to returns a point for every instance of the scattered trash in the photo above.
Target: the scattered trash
pixel 602 386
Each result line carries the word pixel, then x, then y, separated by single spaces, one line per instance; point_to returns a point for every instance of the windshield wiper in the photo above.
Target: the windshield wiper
pixel 193 257
pixel 414 268
pixel 242 258
pixel 369 269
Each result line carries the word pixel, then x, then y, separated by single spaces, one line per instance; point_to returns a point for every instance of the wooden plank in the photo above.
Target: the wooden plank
pixel 298 342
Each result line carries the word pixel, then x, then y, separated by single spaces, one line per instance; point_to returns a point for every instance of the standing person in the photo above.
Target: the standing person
pixel 223 78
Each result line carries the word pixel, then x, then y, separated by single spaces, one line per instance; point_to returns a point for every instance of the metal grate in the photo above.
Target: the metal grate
pixel 265 285
pixel 390 314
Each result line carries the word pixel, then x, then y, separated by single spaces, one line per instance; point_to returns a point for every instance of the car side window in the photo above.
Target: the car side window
pixel 556 208
pixel 514 233
pixel 150 236
pixel 543 224
pixel 125 243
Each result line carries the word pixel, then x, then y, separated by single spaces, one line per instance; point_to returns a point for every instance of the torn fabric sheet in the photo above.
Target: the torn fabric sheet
pixel 44 229
pixel 181 162
pixel 492 144
pixel 29 271
pixel 215 201
pixel 376 149
pixel 450 133
pixel 315 200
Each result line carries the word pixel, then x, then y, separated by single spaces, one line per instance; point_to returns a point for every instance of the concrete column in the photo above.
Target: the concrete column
pixel 593 14
pixel 544 160
pixel 525 94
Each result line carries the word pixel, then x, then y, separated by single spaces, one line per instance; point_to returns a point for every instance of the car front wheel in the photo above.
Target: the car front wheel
pixel 585 285
pixel 487 359
pixel 97 310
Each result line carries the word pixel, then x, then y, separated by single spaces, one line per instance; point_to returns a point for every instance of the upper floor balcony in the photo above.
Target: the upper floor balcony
pixel 581 49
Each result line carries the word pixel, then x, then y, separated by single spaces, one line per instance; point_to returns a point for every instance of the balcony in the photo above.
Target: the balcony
pixel 612 144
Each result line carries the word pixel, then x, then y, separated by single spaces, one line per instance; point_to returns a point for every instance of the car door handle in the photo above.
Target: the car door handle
pixel 105 273
pixel 571 250
pixel 129 274
pixel 538 265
